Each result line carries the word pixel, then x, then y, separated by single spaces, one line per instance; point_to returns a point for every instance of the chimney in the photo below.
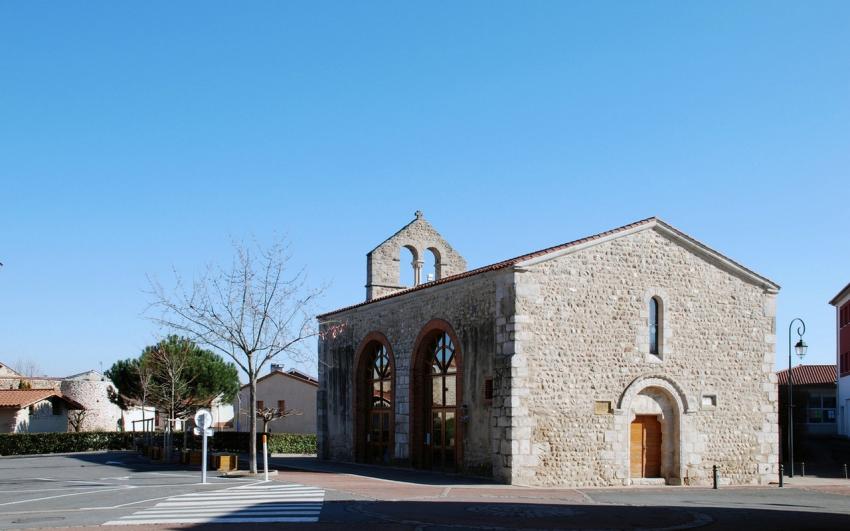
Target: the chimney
pixel 276 367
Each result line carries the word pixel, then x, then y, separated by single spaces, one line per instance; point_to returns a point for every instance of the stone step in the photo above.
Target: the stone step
pixel 649 481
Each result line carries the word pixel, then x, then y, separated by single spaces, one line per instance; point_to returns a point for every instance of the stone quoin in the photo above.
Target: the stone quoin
pixel 637 355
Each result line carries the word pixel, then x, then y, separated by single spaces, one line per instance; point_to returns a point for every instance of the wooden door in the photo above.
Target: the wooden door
pixel 645 447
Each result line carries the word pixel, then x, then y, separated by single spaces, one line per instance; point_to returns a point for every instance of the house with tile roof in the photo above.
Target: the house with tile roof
pixel 636 355
pixel 290 391
pixel 90 389
pixel 35 411
pixel 814 391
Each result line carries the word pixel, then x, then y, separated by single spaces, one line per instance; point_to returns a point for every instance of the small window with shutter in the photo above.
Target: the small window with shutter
pixel 259 405
pixel 281 405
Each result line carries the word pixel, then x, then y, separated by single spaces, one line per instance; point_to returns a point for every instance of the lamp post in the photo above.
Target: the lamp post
pixel 800 348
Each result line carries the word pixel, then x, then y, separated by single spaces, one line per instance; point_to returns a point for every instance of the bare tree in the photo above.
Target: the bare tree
pixel 28 369
pixel 76 417
pixel 252 312
pixel 270 414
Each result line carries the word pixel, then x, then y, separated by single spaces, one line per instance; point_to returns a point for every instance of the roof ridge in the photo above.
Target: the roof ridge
pixel 654 220
pixel 496 265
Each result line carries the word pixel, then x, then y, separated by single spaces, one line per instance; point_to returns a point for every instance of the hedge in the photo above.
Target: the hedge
pixel 52 443
pixel 227 441
pixel 279 443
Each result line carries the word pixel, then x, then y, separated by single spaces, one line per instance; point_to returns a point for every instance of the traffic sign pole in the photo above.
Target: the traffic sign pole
pixel 204 458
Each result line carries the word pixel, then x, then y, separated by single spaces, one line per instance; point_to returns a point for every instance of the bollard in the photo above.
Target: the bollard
pixel 714 472
pixel 845 470
pixel 803 465
pixel 781 474
pixel 266 457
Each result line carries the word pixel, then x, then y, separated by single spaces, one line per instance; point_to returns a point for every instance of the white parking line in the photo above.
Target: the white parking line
pixel 63 496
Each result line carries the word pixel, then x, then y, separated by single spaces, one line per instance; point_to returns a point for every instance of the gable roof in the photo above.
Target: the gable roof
pixel 575 245
pixel 90 375
pixel 302 375
pixel 840 295
pixel 299 377
pixel 8 372
pixel 21 398
pixel 808 375
pixel 399 231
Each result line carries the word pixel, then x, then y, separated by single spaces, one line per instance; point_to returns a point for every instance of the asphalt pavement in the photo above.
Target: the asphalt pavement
pixel 121 489
pixel 90 488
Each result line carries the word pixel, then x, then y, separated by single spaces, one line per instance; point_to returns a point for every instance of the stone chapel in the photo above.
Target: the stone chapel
pixel 637 355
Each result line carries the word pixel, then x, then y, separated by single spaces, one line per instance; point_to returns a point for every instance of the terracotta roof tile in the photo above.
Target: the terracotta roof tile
pixel 808 375
pixel 840 295
pixel 308 380
pixel 494 267
pixel 19 398
pixel 23 397
pixel 522 258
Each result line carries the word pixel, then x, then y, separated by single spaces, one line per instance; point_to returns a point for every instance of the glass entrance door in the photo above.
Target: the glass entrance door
pixel 379 428
pixel 378 442
pixel 441 440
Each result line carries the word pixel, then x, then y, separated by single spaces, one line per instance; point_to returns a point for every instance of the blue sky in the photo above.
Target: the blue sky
pixel 137 138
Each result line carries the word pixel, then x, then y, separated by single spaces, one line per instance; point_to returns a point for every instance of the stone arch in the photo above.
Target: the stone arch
pixel 659 396
pixel 361 392
pixel 438 263
pixel 419 371
pixel 655 380
pixel 415 265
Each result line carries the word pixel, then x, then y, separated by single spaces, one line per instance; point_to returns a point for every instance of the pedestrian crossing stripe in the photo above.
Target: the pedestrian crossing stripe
pixel 265 502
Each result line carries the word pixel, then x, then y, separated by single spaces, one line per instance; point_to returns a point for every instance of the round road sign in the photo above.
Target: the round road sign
pixel 203 419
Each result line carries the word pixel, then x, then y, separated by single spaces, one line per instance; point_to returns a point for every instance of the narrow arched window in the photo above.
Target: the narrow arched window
pixel 654 326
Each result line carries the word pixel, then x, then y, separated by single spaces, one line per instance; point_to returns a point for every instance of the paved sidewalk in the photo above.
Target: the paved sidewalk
pixel 809 481
pixel 413 499
pixel 405 475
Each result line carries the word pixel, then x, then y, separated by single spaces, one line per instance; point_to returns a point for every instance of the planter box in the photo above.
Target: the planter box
pixel 225 462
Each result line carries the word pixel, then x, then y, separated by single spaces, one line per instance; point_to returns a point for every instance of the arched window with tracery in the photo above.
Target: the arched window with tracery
pixel 655 316
pixel 379 414
pixel 443 417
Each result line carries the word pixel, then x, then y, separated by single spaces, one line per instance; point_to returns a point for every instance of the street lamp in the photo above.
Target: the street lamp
pixel 801 349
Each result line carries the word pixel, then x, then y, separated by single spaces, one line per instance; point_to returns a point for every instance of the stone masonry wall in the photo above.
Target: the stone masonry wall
pixel 101 414
pixel 469 306
pixel 383 263
pixel 576 338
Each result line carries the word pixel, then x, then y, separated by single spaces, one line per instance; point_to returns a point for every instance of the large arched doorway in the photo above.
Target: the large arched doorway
pixel 654 450
pixel 436 400
pixel 375 401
